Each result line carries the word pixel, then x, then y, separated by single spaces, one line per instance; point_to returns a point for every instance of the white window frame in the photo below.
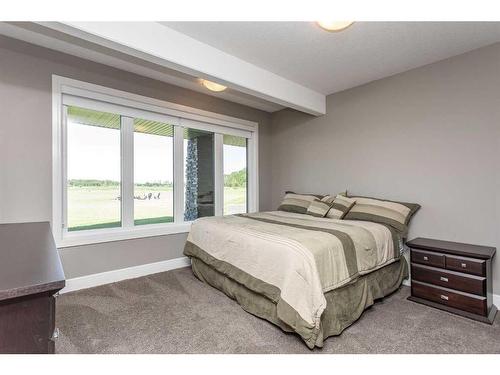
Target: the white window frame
pixel 67 91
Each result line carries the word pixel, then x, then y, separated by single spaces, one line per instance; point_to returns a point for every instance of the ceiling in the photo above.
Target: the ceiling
pixel 45 37
pixel 266 65
pixel 330 62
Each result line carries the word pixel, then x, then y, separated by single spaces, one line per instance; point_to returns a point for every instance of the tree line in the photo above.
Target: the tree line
pixel 234 179
pixel 108 183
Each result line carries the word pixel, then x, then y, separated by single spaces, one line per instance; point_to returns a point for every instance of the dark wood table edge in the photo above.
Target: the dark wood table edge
pixel 484 319
pixel 27 290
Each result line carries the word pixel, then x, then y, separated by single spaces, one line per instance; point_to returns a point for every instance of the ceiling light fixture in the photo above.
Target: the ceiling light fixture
pixel 212 86
pixel 334 26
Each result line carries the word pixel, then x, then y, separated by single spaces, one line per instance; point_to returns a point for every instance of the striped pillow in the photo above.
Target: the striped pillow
pixel 340 207
pixel 318 208
pixel 298 203
pixel 395 214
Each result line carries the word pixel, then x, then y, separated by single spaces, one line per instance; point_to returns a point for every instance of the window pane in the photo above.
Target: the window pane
pixel 153 172
pixel 235 175
pixel 199 174
pixel 93 169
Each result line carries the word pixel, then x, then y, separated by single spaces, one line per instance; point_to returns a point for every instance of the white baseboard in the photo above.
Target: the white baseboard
pixel 102 278
pixel 496 297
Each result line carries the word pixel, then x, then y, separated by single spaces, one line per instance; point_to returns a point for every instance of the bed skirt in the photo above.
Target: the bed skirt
pixel 344 305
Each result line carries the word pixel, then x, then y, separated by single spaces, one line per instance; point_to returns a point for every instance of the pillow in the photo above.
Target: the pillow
pixel 340 207
pixel 298 203
pixel 327 199
pixel 318 208
pixel 395 214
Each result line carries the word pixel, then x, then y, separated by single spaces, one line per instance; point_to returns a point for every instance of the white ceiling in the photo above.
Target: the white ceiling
pixel 330 62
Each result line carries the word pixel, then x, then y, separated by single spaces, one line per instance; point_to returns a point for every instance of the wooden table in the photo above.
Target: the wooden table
pixel 30 274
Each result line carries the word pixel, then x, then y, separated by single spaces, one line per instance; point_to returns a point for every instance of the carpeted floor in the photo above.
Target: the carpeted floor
pixel 173 312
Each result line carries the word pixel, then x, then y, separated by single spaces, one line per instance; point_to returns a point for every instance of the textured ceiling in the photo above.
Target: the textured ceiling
pixel 331 62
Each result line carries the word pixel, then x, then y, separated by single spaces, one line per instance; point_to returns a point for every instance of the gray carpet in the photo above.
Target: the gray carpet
pixel 173 312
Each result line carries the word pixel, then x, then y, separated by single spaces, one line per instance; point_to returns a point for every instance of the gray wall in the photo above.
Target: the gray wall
pixel 430 135
pixel 26 147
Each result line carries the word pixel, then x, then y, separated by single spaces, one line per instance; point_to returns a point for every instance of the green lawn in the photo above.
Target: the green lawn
pixel 98 207
pixel 93 207
pixel 235 200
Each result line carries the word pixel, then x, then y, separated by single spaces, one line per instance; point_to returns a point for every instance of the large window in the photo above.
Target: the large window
pixel 128 166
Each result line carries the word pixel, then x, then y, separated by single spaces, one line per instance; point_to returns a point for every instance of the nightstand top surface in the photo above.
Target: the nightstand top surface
pixel 455 248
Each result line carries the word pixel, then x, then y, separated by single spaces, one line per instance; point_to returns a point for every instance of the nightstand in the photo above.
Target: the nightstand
pixel 454 277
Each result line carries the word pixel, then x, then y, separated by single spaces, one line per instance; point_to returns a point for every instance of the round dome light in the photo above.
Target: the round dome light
pixel 212 86
pixel 334 26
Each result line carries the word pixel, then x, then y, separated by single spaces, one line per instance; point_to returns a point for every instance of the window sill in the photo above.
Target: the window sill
pixel 89 237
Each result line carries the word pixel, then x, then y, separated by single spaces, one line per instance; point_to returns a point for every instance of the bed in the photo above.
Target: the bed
pixel 308 275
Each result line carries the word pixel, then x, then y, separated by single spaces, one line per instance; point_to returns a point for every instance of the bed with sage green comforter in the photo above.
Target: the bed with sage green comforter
pixel 313 276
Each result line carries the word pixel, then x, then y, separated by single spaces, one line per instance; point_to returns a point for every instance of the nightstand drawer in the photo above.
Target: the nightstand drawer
pixel 467 265
pixel 449 279
pixel 459 300
pixel 428 258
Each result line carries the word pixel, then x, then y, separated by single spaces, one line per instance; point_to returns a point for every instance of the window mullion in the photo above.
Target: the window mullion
pixel 64 170
pixel 178 174
pixel 252 174
pixel 127 183
pixel 219 174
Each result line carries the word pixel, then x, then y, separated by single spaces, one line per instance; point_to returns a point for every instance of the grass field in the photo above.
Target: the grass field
pixel 235 200
pixel 98 207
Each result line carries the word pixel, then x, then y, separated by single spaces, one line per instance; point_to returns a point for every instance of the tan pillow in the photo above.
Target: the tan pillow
pixel 340 207
pixel 298 203
pixel 330 198
pixel 318 208
pixel 395 214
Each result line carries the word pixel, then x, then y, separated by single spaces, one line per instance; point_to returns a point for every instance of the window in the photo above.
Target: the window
pixel 93 168
pixel 153 172
pixel 126 166
pixel 199 182
pixel 235 175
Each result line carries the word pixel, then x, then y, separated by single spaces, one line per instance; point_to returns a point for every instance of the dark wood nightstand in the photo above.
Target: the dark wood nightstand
pixel 454 277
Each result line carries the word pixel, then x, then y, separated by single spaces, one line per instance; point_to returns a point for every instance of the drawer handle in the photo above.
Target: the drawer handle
pixel 464 265
pixel 426 258
pixel 444 297
pixel 442 278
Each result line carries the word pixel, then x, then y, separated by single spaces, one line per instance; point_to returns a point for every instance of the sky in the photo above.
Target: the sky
pixel 94 153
